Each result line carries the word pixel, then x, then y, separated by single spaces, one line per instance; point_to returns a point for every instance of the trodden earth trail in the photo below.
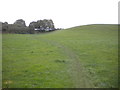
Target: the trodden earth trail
pixel 77 72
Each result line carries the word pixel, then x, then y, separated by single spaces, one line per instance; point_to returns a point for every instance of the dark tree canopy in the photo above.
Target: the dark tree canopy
pixel 20 22
pixel 43 25
pixel 19 26
pixel 5 26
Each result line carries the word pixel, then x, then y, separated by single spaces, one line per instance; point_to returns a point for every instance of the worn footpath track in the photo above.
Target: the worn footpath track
pixel 77 72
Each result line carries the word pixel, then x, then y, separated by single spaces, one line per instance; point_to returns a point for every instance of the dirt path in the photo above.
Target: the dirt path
pixel 77 73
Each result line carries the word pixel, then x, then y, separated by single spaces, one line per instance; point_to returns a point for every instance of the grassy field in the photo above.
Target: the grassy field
pixel 79 57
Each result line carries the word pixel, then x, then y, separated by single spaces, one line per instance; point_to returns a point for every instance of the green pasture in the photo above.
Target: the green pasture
pixel 78 57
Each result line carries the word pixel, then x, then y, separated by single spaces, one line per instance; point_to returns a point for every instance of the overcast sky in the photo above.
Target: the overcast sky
pixel 64 13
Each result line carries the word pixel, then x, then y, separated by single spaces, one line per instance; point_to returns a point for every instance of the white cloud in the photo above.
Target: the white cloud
pixel 64 13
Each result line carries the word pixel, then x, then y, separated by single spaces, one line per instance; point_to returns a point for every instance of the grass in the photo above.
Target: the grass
pixel 78 57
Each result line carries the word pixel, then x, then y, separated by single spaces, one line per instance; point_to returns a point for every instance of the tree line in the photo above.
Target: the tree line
pixel 19 27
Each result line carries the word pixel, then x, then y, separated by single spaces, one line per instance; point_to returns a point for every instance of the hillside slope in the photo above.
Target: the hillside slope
pixel 78 57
